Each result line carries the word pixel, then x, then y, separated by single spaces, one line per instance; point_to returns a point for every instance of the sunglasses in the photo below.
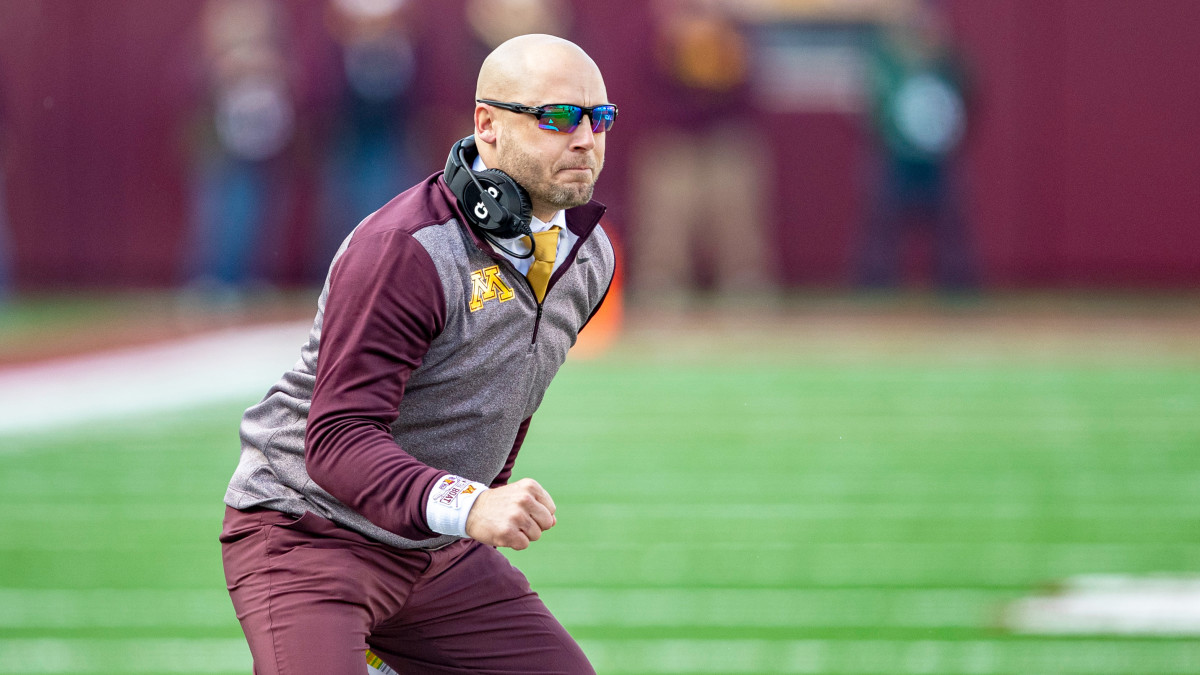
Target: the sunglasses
pixel 562 117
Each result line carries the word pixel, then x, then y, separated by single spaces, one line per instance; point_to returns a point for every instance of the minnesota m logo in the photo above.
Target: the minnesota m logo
pixel 486 285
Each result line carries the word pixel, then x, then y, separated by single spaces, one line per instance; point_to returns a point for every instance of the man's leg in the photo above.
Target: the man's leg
pixel 738 197
pixel 956 268
pixel 668 197
pixel 473 612
pixel 879 253
pixel 308 592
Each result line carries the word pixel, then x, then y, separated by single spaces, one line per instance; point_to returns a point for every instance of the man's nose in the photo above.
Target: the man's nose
pixel 583 138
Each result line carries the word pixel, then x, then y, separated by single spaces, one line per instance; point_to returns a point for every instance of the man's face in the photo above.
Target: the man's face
pixel 559 170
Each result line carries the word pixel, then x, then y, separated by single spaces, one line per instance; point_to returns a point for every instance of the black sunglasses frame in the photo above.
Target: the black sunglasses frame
pixel 540 111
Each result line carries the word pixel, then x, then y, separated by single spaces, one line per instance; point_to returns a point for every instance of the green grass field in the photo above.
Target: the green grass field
pixel 786 501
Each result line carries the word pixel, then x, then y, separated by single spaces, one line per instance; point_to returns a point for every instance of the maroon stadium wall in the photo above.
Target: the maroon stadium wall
pixel 1083 160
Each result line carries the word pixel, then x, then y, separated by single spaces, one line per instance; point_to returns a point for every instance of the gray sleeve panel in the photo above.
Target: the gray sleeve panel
pixel 271 471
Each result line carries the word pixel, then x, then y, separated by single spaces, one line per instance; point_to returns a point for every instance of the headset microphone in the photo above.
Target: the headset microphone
pixel 493 203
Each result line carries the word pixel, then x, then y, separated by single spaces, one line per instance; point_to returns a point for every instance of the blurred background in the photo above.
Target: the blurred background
pixel 901 375
pixel 150 144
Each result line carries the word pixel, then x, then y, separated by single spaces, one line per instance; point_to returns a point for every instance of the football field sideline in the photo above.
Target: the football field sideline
pixel 226 364
pixel 804 504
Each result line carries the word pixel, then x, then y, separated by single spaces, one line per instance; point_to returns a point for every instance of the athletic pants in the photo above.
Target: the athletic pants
pixel 313 596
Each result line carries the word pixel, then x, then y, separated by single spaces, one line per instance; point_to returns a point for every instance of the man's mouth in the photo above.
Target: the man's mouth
pixel 573 169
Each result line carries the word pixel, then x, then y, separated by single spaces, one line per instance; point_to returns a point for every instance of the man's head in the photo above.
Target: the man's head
pixel 558 169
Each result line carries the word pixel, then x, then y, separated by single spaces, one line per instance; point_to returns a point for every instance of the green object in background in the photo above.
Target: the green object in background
pixel 762 518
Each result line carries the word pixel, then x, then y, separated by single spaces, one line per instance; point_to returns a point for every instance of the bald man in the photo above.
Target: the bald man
pixel 373 485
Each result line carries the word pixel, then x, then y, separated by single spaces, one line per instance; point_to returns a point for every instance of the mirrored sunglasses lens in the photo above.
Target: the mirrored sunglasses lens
pixel 603 118
pixel 562 118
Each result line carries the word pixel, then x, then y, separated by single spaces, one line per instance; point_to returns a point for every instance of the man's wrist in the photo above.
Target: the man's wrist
pixel 450 503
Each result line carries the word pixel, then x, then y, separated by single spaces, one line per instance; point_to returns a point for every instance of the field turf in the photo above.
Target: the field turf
pixel 801 498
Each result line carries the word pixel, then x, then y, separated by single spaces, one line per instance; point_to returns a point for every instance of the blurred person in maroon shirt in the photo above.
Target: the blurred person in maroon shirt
pixel 6 279
pixel 495 21
pixel 450 40
pixel 699 181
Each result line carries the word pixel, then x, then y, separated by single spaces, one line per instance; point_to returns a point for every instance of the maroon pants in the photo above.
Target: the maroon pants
pixel 312 596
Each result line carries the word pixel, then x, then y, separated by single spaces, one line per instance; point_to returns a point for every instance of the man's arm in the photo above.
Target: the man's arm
pixel 385 306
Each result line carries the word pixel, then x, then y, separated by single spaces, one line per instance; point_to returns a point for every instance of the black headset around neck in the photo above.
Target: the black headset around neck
pixel 493 203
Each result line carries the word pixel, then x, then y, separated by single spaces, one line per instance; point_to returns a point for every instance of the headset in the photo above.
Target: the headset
pixel 492 201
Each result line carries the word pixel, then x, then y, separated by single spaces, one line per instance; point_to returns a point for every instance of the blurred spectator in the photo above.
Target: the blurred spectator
pixel 249 120
pixel 700 187
pixel 369 161
pixel 6 255
pixel 919 120
pixel 495 21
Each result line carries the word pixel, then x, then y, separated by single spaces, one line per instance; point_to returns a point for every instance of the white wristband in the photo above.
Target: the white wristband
pixel 450 503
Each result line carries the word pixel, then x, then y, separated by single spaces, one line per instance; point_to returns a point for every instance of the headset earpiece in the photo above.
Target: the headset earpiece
pixel 491 200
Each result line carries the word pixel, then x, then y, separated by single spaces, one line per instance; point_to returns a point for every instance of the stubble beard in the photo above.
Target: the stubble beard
pixel 527 171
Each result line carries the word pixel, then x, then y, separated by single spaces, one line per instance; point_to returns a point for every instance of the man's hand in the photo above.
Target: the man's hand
pixel 511 515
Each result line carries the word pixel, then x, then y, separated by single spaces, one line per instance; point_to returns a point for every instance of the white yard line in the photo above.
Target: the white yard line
pixel 1112 605
pixel 227 365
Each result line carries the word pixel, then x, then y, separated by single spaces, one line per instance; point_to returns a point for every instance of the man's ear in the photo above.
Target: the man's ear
pixel 485 124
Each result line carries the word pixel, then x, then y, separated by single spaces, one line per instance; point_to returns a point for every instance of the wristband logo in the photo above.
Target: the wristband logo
pixel 486 284
pixel 450 488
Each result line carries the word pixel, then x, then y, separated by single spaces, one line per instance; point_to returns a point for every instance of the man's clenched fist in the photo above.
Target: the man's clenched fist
pixel 511 515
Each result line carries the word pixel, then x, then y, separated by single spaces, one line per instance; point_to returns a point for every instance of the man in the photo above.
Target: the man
pixel 372 488
pixel 919 116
